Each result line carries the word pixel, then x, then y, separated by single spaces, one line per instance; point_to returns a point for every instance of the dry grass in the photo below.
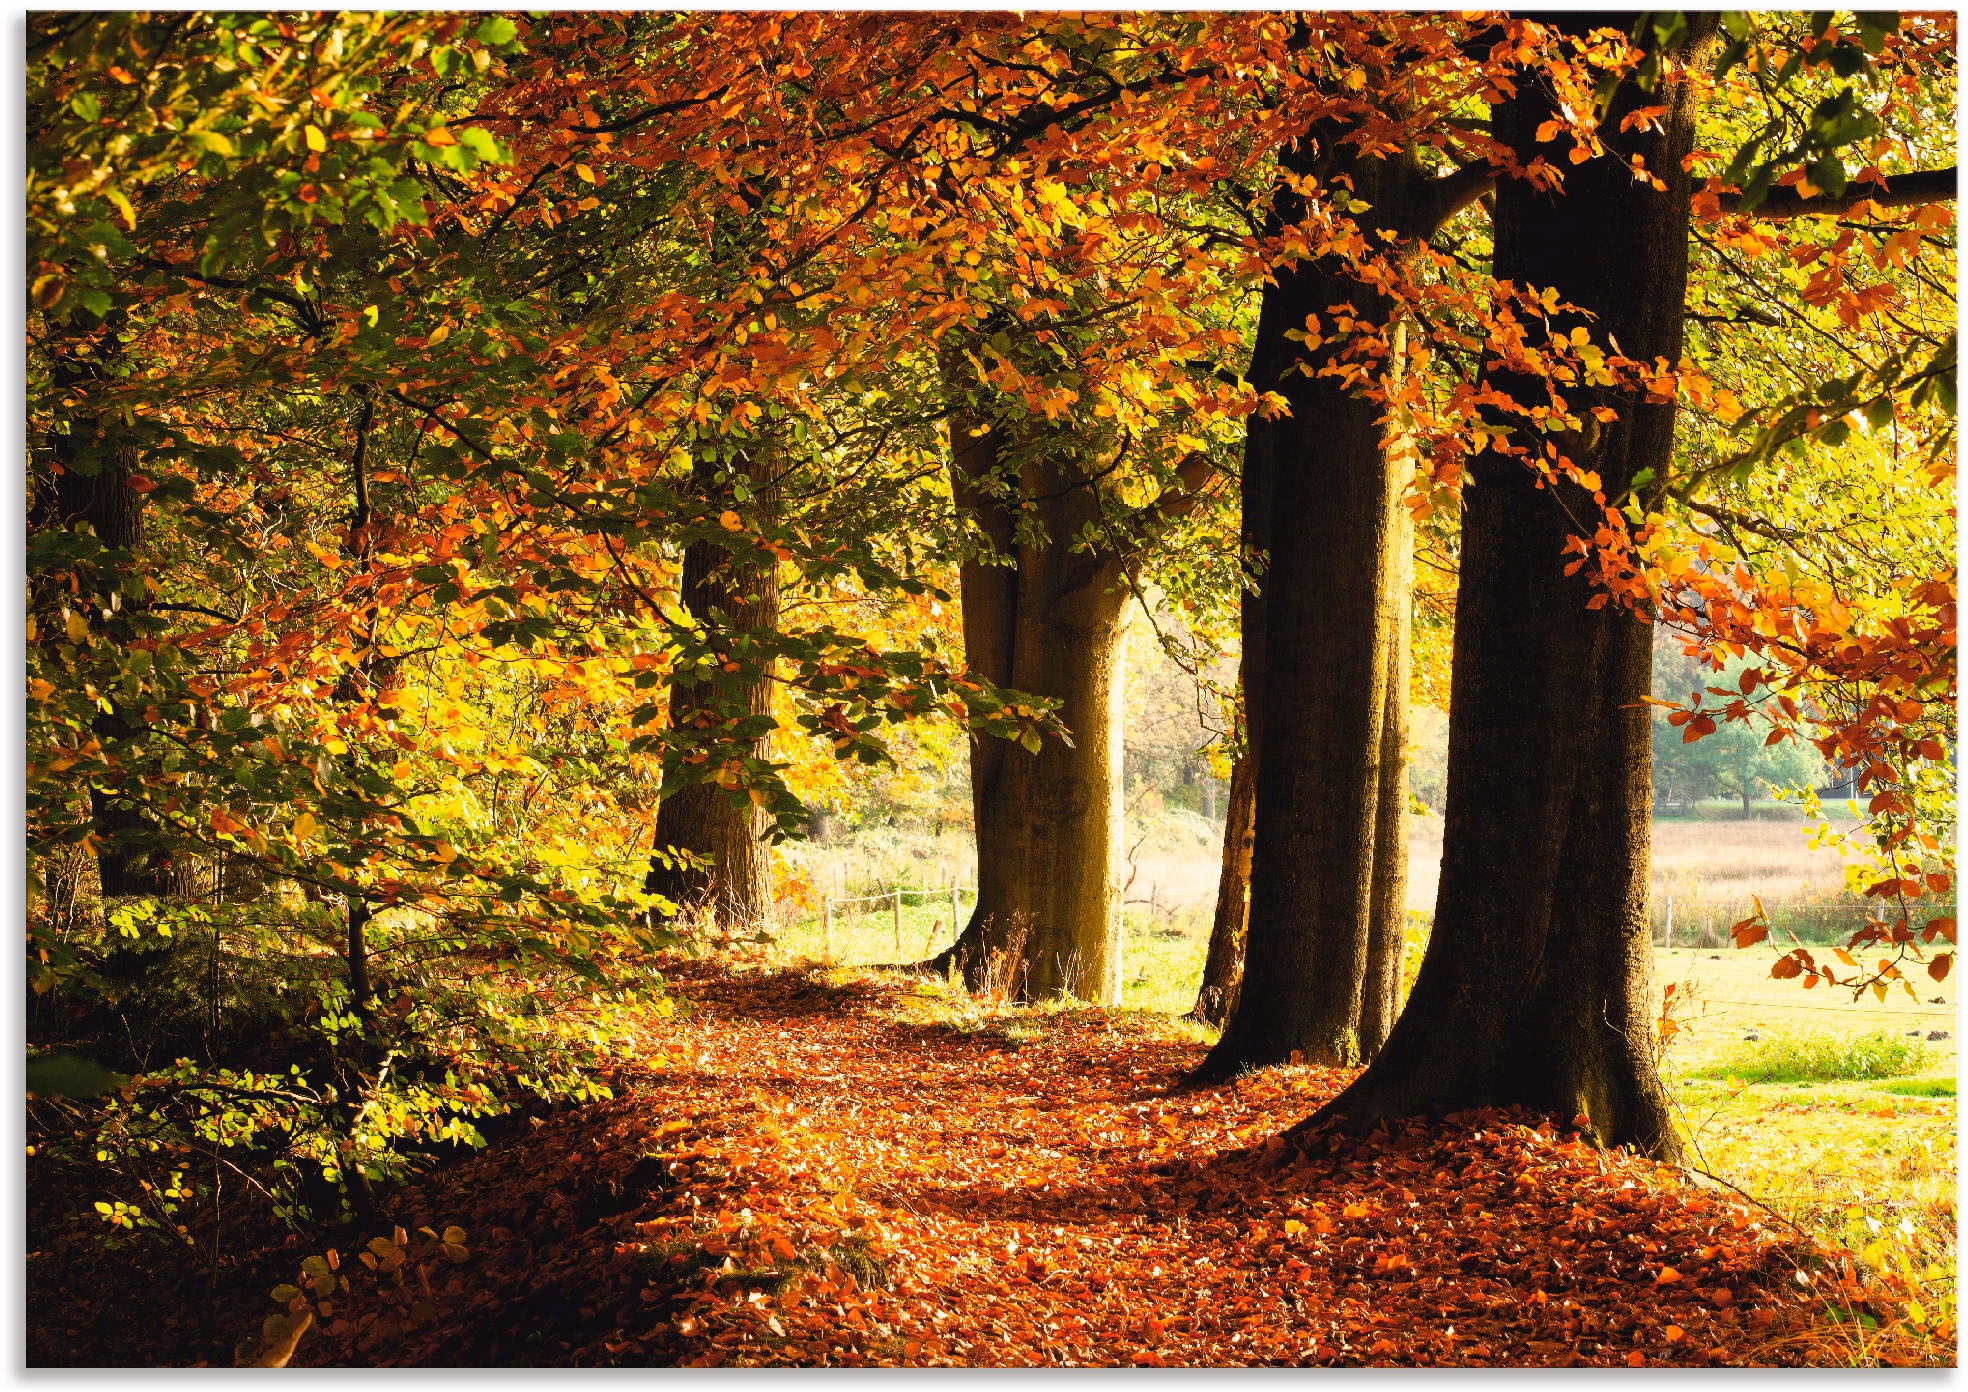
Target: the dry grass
pixel 1739 858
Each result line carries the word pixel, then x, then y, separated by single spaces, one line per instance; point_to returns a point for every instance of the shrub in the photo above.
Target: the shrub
pixel 1818 1058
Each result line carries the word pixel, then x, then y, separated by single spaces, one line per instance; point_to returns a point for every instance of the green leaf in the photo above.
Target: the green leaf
pixel 496 32
pixel 480 142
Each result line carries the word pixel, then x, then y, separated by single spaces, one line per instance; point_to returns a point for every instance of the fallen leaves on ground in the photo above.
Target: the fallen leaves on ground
pixel 815 1180
pixel 810 1177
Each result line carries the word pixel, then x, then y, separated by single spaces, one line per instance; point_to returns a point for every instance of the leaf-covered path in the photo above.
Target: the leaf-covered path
pixel 813 1174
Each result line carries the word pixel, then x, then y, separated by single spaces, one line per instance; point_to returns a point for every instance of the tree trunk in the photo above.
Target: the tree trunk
pixel 1387 918
pixel 731 594
pixel 1048 914
pixel 93 490
pixel 1537 985
pixel 1223 970
pixel 360 987
pixel 1321 699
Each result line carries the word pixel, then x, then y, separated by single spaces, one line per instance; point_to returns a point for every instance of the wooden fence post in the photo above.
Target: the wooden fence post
pixel 897 901
pixel 827 921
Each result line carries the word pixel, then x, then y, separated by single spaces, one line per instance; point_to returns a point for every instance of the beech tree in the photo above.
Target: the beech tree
pixel 711 850
pixel 1043 614
pixel 1223 960
pixel 1325 501
pixel 1537 984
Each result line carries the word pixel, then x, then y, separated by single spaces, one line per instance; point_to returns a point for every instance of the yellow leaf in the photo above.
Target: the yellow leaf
pixel 316 141
pixel 40 690
pixel 729 521
pixel 439 136
pixel 439 334
pixel 122 206
pixel 587 174
pixel 78 628
pixel 305 826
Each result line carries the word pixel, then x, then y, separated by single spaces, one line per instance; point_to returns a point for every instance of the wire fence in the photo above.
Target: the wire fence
pixel 834 910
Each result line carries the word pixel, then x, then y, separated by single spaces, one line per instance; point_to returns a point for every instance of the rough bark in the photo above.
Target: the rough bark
pixel 1537 985
pixel 1328 613
pixel 1223 969
pixel 1048 914
pixel 732 594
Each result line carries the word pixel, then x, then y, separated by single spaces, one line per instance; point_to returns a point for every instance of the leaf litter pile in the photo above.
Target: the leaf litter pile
pixel 804 1174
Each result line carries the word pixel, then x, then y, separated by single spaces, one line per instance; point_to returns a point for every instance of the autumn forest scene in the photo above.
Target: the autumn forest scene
pixel 979 689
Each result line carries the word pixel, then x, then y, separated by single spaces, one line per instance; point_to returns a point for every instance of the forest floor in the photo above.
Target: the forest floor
pixel 858 1168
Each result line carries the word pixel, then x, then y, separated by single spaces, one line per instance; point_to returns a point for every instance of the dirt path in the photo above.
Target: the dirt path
pixel 806 1175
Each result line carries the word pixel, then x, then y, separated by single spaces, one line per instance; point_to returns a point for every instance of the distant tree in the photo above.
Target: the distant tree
pixel 1737 760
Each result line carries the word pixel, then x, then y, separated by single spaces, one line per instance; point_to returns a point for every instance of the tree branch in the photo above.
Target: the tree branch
pixel 1900 191
pixel 1193 477
pixel 1442 198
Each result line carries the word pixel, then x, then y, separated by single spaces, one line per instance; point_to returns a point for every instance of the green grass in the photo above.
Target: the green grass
pixel 1921 1087
pixel 1823 1058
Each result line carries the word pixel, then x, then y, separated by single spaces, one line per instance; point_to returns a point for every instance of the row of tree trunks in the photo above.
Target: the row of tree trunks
pixel 1536 986
pixel 732 594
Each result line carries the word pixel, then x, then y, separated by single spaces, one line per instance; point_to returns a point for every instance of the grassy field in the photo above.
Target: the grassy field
pixel 1867 1162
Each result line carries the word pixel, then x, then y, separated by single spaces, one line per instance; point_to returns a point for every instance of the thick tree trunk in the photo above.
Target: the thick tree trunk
pixel 1061 807
pixel 731 595
pixel 1048 914
pixel 1387 918
pixel 1328 615
pixel 1537 985
pixel 1223 969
